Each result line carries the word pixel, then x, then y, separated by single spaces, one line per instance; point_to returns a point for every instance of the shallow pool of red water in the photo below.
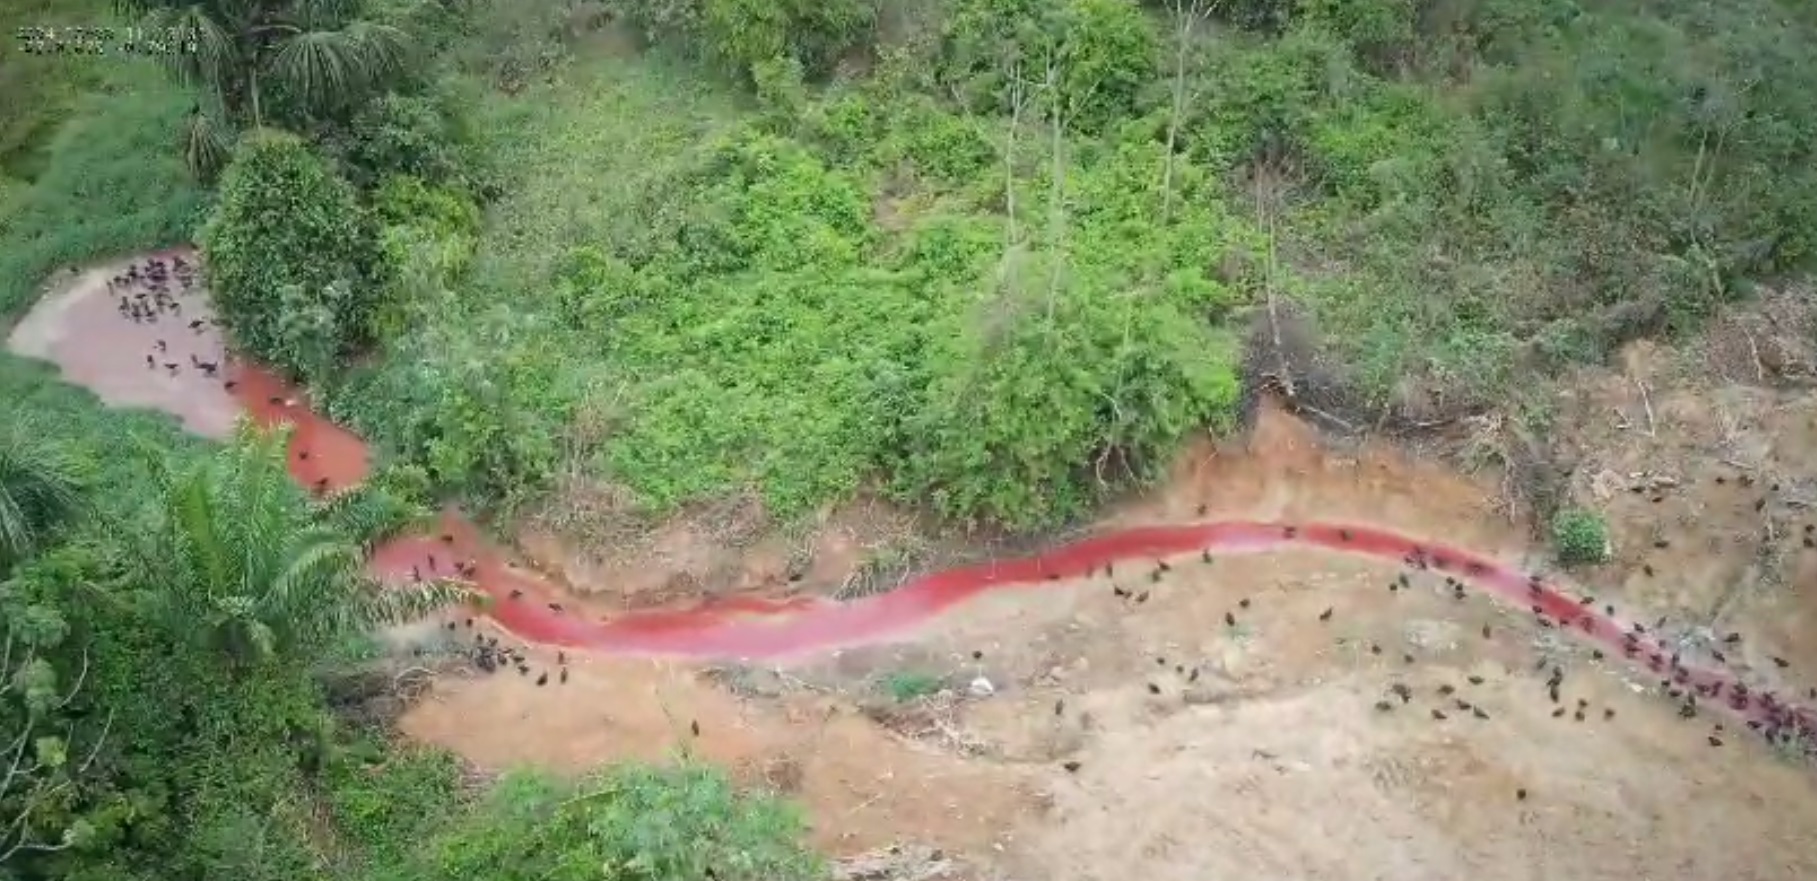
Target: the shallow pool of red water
pixel 760 629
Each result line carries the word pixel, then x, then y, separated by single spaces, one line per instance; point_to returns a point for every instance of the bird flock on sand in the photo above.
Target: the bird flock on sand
pixel 1765 713
pixel 487 653
pixel 152 292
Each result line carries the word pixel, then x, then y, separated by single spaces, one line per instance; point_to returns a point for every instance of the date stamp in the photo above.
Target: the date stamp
pixel 106 40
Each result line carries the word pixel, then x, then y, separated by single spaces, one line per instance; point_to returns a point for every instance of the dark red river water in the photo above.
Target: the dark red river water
pixel 759 629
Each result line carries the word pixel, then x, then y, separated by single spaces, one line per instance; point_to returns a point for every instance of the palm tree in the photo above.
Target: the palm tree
pixel 43 485
pixel 237 558
pixel 317 55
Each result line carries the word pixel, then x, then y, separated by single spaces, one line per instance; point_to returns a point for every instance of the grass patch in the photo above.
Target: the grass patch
pixel 38 93
pixel 905 686
pixel 115 183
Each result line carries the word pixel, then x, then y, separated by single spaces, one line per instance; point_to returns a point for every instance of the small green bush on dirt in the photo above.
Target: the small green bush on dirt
pixel 906 686
pixel 284 251
pixel 1580 537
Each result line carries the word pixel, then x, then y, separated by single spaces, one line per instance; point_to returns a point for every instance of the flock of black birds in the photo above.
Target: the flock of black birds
pixel 152 292
pixel 486 653
pixel 1779 724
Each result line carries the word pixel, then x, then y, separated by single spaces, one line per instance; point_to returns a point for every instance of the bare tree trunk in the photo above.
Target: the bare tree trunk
pixel 1187 13
pixel 1056 213
pixel 1017 96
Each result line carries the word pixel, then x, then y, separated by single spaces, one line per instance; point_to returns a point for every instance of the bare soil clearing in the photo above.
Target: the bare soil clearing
pixel 1079 735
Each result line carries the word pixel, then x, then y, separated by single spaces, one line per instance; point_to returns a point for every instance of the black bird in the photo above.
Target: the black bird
pixel 694 727
pixel 1071 767
pixel 1153 688
pixel 517 593
pixel 556 608
pixel 151 363
pixel 1230 619
pixel 1326 615
pixel 564 676
pixel 543 679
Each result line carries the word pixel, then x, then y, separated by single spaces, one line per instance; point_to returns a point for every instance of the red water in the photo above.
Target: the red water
pixel 746 628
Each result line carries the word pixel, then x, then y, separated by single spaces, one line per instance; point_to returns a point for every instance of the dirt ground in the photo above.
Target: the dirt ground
pixel 1222 727
pixel 1160 741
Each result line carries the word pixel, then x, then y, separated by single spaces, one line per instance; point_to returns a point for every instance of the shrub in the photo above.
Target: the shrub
pixel 284 251
pixel 418 136
pixel 1580 536
pixel 683 823
pixel 739 34
pixel 1102 52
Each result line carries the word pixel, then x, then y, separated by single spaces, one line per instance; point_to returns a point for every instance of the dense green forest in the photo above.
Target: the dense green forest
pixel 994 259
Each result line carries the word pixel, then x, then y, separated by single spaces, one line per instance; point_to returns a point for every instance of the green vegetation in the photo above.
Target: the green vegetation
pixel 1580 537
pixel 993 258
pixel 165 708
pixel 283 255
pixel 908 685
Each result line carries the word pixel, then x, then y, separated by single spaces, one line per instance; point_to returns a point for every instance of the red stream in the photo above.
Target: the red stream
pixel 747 628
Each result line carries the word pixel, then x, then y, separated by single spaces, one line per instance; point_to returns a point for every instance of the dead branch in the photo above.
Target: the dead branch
pixel 1017 97
pixel 1056 216
pixel 1265 208
pixel 81 677
pixel 1188 16
pixel 1646 401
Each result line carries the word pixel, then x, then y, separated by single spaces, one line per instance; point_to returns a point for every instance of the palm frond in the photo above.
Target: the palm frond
pixel 327 67
pixel 370 514
pixel 207 146
pixel 43 484
pixel 211 64
pixel 392 604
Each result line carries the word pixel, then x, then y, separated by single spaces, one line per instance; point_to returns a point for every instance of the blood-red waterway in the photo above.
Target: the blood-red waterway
pixel 762 629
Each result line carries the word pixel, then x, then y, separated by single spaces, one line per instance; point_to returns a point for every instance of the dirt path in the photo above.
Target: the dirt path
pixel 1222 724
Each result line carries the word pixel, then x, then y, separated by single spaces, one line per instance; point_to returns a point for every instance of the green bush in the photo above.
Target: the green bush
pixel 683 823
pixel 423 136
pixel 284 250
pixel 1580 536
pixel 737 35
pixel 1100 55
